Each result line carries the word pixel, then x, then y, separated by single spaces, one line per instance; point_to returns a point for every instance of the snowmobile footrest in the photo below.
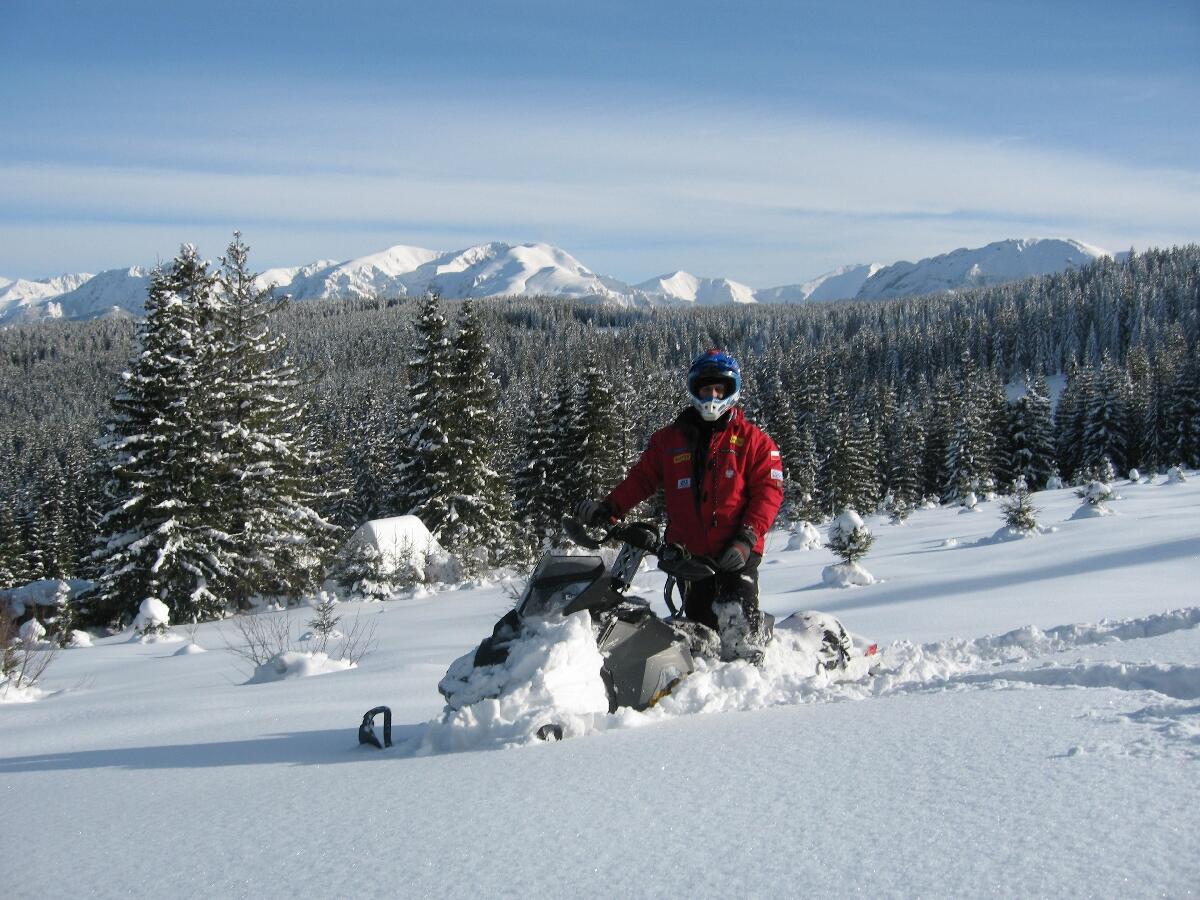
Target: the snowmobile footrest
pixel 366 731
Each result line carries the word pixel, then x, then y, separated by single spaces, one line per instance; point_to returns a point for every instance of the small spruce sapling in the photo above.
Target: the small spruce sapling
pixel 324 623
pixel 1019 512
pixel 849 537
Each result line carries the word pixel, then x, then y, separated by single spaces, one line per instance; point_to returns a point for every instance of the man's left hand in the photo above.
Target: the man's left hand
pixel 734 556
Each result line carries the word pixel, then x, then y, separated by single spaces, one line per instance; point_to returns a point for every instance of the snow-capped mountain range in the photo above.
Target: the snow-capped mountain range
pixel 499 269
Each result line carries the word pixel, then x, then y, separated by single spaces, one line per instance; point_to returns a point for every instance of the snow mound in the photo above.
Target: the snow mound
pixel 1008 533
pixel 843 575
pixel 806 537
pixel 295 664
pixel 80 639
pixel 404 541
pixel 189 649
pixel 1092 511
pixel 32 632
pixel 1175 476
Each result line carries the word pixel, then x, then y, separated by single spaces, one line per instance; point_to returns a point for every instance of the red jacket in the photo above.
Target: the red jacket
pixel 741 484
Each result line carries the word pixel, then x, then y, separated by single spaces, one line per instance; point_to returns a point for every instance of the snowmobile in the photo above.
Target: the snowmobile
pixel 644 656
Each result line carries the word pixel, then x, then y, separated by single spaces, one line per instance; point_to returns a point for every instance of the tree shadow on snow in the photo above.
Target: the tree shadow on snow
pixel 302 748
pixel 863 598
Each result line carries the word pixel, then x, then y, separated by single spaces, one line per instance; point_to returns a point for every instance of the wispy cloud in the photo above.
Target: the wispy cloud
pixel 762 198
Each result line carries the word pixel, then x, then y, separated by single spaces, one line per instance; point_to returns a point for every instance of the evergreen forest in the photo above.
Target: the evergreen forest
pixel 222 448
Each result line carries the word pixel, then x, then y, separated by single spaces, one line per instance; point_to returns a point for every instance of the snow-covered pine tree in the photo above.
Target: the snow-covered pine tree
pixel 781 425
pixel 592 435
pixel 1183 412
pixel 270 463
pixel 1070 419
pixel 968 452
pixel 1033 453
pixel 562 470
pixel 424 475
pixel 477 525
pixel 537 503
pixel 1019 512
pixel 9 547
pixel 1105 419
pixel 904 475
pixel 938 424
pixel 159 539
pixel 849 537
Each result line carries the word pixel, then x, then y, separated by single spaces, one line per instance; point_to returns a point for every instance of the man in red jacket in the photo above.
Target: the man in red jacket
pixel 723 483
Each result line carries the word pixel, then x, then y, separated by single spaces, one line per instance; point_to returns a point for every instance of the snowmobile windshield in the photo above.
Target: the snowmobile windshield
pixel 558 581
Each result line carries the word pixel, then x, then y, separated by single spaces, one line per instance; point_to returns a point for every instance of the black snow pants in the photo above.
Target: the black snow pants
pixel 728 604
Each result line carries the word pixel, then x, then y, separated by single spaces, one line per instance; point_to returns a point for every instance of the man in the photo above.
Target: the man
pixel 723 484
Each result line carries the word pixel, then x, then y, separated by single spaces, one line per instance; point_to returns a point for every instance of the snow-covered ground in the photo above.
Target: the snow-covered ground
pixel 996 752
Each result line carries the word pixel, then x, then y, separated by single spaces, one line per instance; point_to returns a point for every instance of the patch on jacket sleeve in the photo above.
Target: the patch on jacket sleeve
pixel 777 474
pixel 681 457
pixel 774 454
pixel 735 439
pixel 684 483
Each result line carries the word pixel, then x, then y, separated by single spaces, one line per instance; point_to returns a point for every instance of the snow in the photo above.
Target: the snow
pixel 688 288
pixel 404 540
pixel 967 268
pixel 839 284
pixel 1033 730
pixel 45 592
pixel 297 664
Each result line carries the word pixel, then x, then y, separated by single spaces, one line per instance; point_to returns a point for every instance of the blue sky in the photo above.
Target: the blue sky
pixel 765 142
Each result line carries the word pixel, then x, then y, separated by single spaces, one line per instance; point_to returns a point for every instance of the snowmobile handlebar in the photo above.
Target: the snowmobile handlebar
pixel 672 558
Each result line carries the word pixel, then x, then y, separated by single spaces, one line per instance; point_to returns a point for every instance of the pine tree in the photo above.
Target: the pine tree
pixel 1104 421
pixel 477 523
pixel 969 451
pixel 1019 511
pixel 158 538
pixel 1183 415
pixel 269 458
pixel 424 475
pixel 537 504
pixel 592 435
pixel 781 425
pixel 1032 439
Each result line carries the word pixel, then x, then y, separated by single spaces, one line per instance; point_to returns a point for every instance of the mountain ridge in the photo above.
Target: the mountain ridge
pixel 497 269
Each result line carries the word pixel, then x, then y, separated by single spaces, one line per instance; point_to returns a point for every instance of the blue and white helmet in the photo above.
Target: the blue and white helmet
pixel 711 367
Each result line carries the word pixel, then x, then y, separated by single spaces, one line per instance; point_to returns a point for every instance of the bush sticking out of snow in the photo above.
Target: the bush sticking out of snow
pixel 950 542
pixel 842 575
pixel 152 621
pixel 1175 475
pixel 80 638
pixel 1134 476
pixel 969 503
pixel 24 658
pixel 297 664
pixel 1094 495
pixel 805 537
pixel 32 633
pixel 1054 483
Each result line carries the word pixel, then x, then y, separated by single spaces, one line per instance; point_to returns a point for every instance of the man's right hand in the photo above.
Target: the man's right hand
pixel 594 513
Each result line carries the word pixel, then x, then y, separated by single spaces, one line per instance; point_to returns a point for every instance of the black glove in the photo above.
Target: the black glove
pixel 594 513
pixel 734 556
